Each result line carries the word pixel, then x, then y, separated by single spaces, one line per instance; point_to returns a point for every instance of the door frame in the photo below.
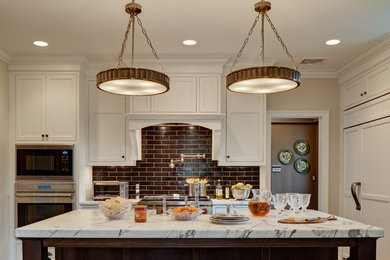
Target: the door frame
pixel 323 150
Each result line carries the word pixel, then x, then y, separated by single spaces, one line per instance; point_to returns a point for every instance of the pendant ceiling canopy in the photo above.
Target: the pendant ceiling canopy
pixel 263 79
pixel 133 81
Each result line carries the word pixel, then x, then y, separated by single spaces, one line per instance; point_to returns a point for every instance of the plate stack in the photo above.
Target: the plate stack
pixel 228 219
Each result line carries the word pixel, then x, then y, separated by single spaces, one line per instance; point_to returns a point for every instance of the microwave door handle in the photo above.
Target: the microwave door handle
pixel 68 195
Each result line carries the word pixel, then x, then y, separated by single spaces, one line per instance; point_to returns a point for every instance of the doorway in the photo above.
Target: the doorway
pixel 294 157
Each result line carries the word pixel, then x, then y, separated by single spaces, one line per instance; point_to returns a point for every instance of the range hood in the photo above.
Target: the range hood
pixel 137 122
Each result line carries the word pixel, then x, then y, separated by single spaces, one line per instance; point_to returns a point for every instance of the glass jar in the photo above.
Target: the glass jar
pixel 140 213
pixel 260 204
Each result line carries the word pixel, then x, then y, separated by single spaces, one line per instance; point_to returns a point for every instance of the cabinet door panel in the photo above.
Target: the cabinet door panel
pixel 378 82
pixel 208 95
pixel 61 107
pixel 103 102
pixel 243 138
pixel 29 106
pixel 181 98
pixel 107 140
pixel 352 158
pixel 141 104
pixel 353 92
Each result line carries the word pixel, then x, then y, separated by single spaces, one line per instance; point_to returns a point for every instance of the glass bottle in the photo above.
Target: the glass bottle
pixel 260 204
pixel 218 191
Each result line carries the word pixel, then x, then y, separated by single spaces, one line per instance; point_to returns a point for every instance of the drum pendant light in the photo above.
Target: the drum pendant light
pixel 263 79
pixel 131 81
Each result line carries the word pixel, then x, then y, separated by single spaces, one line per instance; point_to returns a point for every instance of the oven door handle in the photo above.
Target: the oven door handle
pixel 67 195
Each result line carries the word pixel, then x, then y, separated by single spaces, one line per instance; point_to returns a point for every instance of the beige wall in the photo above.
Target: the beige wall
pixel 318 94
pixel 4 176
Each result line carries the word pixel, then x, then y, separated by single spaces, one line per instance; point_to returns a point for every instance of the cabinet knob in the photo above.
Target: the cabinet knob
pixel 365 92
pixel 361 94
pixel 123 156
pixel 43 135
pixel 228 156
pixel 46 135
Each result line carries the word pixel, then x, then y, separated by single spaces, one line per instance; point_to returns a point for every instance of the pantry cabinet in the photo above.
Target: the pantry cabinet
pixel 46 107
pixel 107 138
pixel 245 129
pixel 189 93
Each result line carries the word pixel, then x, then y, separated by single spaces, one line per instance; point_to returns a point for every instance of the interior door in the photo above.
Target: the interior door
pixel 285 178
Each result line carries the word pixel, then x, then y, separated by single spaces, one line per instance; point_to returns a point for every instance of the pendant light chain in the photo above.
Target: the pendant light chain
pixel 120 57
pixel 281 41
pixel 245 42
pixel 132 40
pixel 262 40
pixel 150 44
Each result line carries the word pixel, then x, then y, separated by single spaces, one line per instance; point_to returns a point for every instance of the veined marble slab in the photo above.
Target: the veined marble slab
pixel 90 223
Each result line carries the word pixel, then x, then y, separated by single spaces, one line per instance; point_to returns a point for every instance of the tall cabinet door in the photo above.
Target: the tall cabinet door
pixel 30 106
pixel 245 129
pixel 375 190
pixel 61 107
pixel 352 171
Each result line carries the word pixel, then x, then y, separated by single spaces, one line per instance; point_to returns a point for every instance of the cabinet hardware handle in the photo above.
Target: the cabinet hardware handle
pixel 43 135
pixel 46 135
pixel 361 94
pixel 354 195
pixel 228 156
pixel 123 156
pixel 365 92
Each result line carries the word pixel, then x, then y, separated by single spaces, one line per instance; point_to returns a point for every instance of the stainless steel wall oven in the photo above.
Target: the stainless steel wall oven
pixel 35 201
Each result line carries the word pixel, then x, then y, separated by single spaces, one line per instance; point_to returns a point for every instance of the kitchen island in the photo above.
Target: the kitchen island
pixel 86 234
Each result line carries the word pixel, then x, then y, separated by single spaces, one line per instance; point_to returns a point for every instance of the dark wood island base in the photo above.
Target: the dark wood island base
pixel 198 248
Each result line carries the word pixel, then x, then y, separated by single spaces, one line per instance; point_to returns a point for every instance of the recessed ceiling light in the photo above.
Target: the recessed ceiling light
pixel 40 43
pixel 189 42
pixel 333 42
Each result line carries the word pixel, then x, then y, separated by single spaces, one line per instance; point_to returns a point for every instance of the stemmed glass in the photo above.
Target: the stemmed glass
pixel 293 202
pixel 280 201
pixel 304 201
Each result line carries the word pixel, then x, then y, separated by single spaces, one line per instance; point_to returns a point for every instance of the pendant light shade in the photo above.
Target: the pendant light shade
pixel 131 81
pixel 263 79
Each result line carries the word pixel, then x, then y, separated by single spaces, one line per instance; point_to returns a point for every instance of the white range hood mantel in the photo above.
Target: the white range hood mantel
pixel 137 122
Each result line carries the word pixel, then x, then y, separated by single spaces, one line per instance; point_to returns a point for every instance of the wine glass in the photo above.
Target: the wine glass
pixel 304 201
pixel 293 202
pixel 280 201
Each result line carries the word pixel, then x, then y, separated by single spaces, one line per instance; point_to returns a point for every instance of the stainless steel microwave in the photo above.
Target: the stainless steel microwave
pixel 44 162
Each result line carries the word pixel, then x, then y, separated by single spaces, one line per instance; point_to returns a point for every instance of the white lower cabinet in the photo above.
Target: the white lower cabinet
pixel 108 142
pixel 46 107
pixel 221 208
pixel 245 129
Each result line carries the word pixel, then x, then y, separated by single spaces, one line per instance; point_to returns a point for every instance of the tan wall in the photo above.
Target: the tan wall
pixel 4 176
pixel 318 94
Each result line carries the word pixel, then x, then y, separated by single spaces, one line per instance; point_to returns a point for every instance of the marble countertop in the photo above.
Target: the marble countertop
pixel 90 223
pixel 92 203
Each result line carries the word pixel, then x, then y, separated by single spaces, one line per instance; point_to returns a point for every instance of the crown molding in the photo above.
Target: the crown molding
pixel 376 53
pixel 4 56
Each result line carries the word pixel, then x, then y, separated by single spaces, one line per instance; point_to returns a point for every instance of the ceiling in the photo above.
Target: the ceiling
pixel 95 29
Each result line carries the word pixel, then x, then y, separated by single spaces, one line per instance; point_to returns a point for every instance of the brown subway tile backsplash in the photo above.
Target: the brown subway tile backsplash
pixel 160 144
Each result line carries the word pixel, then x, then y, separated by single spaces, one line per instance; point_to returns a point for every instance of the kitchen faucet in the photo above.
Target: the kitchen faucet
pixel 186 156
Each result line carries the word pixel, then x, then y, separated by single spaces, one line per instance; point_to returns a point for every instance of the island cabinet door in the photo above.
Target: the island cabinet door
pixel 366 164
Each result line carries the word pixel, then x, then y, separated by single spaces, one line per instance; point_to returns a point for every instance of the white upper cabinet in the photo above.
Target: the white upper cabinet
pixel 107 138
pixel 188 94
pixel 46 107
pixel 245 129
pixel 181 98
pixel 370 85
